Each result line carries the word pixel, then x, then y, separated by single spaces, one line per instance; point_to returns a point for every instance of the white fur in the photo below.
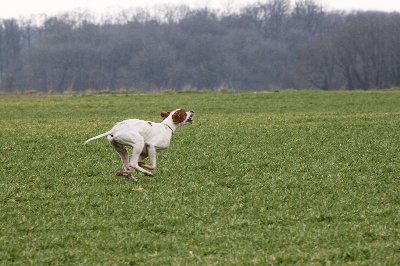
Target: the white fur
pixel 145 138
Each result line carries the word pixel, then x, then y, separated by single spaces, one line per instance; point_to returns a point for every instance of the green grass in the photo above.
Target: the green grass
pixel 289 177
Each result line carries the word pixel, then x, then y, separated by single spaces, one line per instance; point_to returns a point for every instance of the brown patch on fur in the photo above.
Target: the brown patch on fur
pixel 179 116
pixel 164 114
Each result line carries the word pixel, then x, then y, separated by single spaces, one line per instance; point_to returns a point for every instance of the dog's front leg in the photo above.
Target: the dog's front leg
pixel 143 156
pixel 151 153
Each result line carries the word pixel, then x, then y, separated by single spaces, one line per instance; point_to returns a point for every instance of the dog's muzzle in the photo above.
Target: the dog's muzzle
pixel 190 119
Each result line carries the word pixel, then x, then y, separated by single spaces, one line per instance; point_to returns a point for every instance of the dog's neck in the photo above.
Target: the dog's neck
pixel 170 124
pixel 170 128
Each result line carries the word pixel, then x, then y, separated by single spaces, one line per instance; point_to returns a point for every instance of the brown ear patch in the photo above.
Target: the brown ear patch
pixel 164 114
pixel 179 116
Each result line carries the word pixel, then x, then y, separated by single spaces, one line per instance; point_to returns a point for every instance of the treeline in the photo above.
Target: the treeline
pixel 263 46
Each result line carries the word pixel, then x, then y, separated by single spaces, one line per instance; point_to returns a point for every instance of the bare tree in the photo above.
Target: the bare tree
pixel 266 45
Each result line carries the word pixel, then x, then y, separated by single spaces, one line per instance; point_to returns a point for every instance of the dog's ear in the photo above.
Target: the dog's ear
pixel 179 116
pixel 164 114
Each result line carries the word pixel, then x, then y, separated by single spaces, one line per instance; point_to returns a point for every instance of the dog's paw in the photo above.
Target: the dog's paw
pixel 123 173
pixel 127 174
pixel 131 178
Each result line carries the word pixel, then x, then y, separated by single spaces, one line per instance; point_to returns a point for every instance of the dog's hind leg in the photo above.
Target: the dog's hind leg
pixel 136 141
pixel 123 153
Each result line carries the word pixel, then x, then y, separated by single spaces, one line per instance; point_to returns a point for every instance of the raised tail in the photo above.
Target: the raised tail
pixel 97 137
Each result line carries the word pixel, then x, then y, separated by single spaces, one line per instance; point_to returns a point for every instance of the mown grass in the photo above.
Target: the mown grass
pixel 289 177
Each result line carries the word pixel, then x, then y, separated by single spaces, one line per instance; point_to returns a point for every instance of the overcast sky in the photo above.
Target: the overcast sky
pixel 24 8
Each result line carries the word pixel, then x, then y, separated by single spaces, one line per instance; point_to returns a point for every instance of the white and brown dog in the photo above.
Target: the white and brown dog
pixel 146 139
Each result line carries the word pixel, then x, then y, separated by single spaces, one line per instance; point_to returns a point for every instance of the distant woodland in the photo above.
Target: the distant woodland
pixel 265 46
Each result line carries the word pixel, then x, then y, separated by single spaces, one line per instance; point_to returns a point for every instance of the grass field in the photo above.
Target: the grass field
pixel 288 177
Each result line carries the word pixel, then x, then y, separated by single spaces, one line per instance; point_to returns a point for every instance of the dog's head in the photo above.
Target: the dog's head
pixel 179 116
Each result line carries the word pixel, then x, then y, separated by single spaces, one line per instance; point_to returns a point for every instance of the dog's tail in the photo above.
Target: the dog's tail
pixel 98 136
